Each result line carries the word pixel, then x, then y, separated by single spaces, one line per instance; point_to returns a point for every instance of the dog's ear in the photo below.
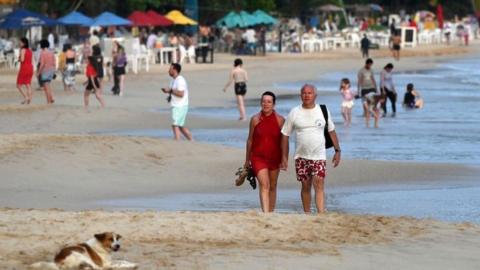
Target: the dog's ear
pixel 100 236
pixel 119 237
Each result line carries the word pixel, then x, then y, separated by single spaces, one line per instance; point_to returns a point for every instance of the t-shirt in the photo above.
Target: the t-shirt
pixel 387 80
pixel 179 84
pixel 367 75
pixel 308 125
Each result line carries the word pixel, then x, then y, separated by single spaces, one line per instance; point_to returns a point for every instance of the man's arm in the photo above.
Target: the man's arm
pixel 336 146
pixel 359 82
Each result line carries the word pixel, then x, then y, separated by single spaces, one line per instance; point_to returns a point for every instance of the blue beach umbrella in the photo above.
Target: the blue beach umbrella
pixel 264 18
pixel 240 19
pixel 109 19
pixel 22 18
pixel 75 18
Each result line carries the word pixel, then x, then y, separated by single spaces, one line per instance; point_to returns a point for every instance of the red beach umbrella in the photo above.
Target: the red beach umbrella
pixel 158 19
pixel 139 18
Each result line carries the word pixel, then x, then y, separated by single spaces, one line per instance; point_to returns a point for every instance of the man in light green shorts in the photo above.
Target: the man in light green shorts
pixel 178 99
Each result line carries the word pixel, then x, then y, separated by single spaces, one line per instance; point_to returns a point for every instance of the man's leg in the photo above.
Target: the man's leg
pixel 307 195
pixel 176 132
pixel 186 133
pixel 318 186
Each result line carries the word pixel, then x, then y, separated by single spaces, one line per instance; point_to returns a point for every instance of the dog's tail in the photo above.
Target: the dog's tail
pixel 44 266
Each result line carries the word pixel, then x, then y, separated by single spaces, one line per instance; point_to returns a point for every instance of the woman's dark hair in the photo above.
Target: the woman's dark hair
pixel 389 66
pixel 24 40
pixel 268 93
pixel 66 47
pixel 369 61
pixel 237 62
pixel 344 81
pixel 44 44
pixel 96 50
pixel 410 87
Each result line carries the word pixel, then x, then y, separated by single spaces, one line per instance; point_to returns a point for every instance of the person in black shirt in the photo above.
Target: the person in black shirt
pixel 365 46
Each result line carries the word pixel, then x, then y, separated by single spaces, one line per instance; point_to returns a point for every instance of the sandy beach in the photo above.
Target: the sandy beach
pixel 57 164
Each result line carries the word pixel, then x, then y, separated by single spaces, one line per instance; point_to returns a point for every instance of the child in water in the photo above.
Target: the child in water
pixel 347 101
pixel 412 99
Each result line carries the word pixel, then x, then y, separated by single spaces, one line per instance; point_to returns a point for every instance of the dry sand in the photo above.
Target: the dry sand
pixel 50 161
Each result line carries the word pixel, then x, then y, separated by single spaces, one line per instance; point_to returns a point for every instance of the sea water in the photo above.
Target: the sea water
pixel 446 130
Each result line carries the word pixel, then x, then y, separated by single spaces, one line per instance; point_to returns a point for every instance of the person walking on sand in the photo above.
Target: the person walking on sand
pixel 25 74
pixel 347 101
pixel 388 89
pixel 366 82
pixel 93 84
pixel 308 122
pixel 178 99
pixel 240 77
pixel 263 151
pixel 46 69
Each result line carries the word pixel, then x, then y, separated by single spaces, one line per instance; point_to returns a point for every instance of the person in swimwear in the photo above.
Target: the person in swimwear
pixel 263 151
pixel 240 77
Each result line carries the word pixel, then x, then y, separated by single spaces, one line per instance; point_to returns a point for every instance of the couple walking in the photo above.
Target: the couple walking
pixel 268 146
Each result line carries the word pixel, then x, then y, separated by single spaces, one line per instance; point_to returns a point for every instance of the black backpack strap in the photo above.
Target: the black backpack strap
pixel 325 114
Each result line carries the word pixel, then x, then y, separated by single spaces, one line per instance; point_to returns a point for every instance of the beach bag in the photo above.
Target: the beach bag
pixel 328 139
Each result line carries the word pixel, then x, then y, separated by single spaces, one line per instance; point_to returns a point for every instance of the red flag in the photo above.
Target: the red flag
pixel 440 16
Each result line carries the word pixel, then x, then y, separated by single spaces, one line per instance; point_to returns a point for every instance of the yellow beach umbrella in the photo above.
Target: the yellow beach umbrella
pixel 178 18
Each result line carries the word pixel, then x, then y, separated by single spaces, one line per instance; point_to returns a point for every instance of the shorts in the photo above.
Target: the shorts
pixel 366 92
pixel 90 86
pixel 240 89
pixel 396 47
pixel 260 164
pixel 118 71
pixel 347 104
pixel 46 76
pixel 179 114
pixel 306 168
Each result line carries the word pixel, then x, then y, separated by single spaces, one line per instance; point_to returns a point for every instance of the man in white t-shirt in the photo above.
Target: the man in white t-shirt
pixel 178 99
pixel 308 122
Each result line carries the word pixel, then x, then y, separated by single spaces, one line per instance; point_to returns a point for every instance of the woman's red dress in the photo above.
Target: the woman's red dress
pixel 266 144
pixel 25 73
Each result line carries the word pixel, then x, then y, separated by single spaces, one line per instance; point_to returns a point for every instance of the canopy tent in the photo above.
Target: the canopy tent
pixel 375 7
pixel 75 18
pixel 22 18
pixel 241 19
pixel 159 19
pixel 263 17
pixel 139 18
pixel 109 19
pixel 178 18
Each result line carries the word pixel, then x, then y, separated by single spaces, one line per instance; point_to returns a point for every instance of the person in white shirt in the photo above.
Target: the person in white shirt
pixel 51 40
pixel 308 122
pixel 178 99
pixel 388 89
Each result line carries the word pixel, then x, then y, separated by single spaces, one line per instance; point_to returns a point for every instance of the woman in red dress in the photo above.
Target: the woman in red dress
pixel 263 150
pixel 25 74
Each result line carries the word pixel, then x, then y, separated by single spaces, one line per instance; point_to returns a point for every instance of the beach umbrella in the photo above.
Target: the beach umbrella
pixel 22 18
pixel 139 18
pixel 375 7
pixel 159 19
pixel 178 18
pixel 75 18
pixel 241 19
pixel 109 19
pixel 263 17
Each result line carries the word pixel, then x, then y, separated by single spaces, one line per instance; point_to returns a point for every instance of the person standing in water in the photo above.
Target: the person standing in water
pixel 347 101
pixel 239 77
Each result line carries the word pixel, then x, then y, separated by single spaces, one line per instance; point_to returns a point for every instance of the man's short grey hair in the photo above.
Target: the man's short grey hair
pixel 309 85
